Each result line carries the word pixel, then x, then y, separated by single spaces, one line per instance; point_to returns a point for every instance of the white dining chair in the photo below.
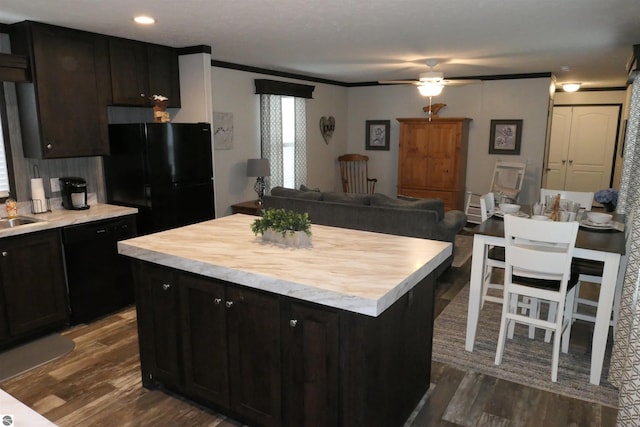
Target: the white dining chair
pixel 585 198
pixel 493 291
pixel 494 255
pixel 591 271
pixel 538 265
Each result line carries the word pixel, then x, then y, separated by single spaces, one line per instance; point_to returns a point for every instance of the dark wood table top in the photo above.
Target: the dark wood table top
pixel 607 240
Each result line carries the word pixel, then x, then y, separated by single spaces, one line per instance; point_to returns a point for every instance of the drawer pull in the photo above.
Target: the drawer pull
pixel 228 304
pixel 293 323
pixel 166 286
pixel 217 300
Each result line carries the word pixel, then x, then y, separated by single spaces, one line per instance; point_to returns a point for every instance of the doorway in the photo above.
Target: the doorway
pixel 582 147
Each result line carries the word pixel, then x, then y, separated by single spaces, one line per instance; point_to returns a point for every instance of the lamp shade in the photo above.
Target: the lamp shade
pixel 258 167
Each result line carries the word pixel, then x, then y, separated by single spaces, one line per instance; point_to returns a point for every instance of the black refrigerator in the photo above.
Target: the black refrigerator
pixel 163 169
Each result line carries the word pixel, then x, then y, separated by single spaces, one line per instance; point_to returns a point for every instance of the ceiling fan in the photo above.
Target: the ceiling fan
pixel 432 82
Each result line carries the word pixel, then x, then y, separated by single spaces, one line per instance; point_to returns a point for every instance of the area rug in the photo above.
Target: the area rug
pixel 462 250
pixel 526 362
pixel 20 359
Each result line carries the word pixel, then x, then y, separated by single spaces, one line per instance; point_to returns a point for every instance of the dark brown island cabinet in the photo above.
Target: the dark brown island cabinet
pixel 33 293
pixel 271 360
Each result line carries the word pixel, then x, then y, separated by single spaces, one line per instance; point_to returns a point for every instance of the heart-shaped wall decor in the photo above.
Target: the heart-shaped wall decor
pixel 327 126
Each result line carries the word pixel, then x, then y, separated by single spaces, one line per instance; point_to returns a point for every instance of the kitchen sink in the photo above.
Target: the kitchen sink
pixel 15 222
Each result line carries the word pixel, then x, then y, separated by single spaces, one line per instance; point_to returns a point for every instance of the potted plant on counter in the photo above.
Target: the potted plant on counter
pixel 284 226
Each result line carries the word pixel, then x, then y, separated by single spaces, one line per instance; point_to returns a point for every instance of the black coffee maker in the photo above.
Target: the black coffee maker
pixel 74 193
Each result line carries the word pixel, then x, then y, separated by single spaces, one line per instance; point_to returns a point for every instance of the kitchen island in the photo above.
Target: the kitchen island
pixel 335 334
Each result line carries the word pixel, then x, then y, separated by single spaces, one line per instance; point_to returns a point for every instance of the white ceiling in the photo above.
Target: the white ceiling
pixel 368 40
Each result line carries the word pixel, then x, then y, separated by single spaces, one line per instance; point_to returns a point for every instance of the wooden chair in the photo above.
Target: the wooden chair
pixel 506 182
pixel 354 174
pixel 538 258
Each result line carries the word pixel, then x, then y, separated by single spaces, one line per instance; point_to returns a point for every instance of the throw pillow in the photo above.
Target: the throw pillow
pixel 296 194
pixel 436 205
pixel 356 199
pixel 505 194
pixel 305 188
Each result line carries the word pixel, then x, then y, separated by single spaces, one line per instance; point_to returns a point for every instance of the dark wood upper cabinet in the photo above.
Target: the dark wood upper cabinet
pixel 141 70
pixel 63 109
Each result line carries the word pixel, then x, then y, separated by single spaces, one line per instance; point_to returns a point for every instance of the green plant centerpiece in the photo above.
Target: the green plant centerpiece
pixel 284 226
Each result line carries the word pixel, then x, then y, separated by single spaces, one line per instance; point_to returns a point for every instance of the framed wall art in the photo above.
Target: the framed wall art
pixel 377 134
pixel 506 136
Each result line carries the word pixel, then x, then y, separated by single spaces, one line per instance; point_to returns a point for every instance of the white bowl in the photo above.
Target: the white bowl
pixel 540 217
pixel 599 217
pixel 509 208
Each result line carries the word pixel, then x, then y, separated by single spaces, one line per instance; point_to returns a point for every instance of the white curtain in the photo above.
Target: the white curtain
pixel 271 137
pixel 300 145
pixel 624 371
pixel 272 141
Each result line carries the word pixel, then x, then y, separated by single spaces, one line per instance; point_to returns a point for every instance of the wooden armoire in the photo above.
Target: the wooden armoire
pixel 432 159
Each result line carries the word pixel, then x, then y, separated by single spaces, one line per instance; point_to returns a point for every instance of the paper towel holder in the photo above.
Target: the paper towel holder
pixel 36 206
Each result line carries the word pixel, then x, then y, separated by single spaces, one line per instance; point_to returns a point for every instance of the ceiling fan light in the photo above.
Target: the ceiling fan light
pixel 430 89
pixel 571 87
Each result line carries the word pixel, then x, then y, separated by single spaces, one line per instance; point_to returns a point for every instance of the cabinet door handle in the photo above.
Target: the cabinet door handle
pixel 49 146
pixel 217 300
pixel 570 162
pixel 564 161
pixel 228 304
pixel 5 253
pixel 166 286
pixel 293 323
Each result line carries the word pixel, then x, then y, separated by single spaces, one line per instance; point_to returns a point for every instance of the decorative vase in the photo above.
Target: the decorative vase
pixel 296 239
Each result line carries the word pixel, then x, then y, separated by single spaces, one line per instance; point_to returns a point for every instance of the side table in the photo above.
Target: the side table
pixel 250 208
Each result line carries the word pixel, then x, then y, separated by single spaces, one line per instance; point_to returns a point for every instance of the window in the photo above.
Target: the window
pixel 283 137
pixel 288 142
pixel 283 131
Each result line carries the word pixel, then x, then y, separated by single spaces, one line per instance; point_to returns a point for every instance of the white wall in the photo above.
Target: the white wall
pixel 526 99
pixel 234 92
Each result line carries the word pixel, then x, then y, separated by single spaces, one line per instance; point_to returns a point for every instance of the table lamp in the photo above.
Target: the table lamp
pixel 258 168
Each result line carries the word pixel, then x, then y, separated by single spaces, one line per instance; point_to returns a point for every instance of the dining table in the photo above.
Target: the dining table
pixel 597 244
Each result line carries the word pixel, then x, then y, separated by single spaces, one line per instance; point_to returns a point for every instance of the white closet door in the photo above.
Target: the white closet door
pixel 581 147
pixel 558 147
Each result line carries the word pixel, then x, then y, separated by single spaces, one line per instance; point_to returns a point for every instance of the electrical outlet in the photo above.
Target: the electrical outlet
pixel 55 184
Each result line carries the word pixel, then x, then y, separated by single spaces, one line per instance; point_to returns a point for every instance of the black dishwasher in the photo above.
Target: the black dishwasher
pixel 99 279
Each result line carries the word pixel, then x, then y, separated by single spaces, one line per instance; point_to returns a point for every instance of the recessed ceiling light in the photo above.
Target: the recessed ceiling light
pixel 145 20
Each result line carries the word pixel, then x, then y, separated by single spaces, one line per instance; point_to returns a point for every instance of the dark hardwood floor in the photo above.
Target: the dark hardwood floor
pixel 98 384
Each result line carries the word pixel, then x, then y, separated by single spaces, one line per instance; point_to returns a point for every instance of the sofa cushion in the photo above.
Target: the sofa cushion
pixel 356 199
pixel 436 205
pixel 296 194
pixel 305 188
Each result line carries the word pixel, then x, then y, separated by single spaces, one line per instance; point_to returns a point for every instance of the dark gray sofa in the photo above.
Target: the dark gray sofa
pixel 423 218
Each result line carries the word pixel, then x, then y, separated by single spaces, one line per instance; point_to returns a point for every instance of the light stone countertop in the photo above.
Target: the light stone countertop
pixel 353 270
pixel 60 217
pixel 21 414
